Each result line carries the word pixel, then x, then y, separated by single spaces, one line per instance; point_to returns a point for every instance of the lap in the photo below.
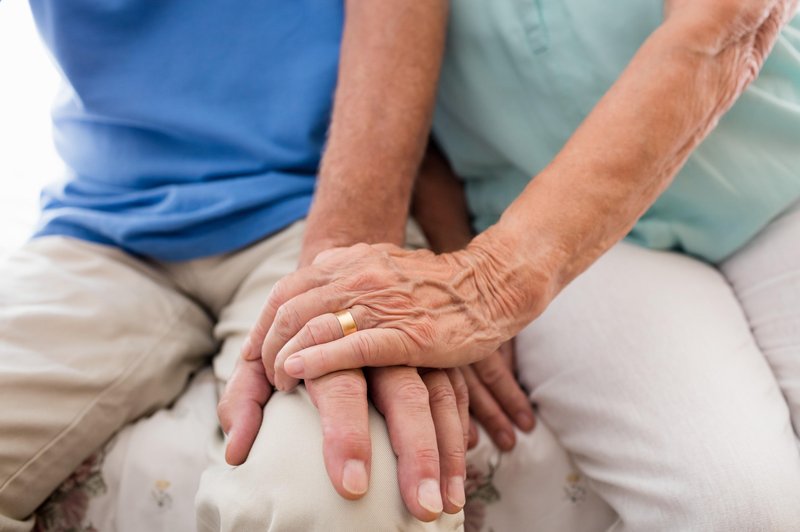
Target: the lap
pixel 646 369
pixel 283 484
pixel 79 328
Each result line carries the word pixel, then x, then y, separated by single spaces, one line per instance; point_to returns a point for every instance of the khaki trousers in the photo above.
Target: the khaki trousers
pixel 92 338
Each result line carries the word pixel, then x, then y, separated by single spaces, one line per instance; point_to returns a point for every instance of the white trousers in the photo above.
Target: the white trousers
pixel 675 386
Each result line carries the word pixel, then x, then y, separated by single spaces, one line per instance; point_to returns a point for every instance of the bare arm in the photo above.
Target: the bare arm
pixel 682 80
pixel 390 60
pixel 390 57
pixel 439 205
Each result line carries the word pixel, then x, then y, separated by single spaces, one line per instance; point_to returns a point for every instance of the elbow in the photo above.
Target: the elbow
pixel 732 37
pixel 714 27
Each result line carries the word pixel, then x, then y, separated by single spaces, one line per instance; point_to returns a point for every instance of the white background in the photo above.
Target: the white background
pixel 28 83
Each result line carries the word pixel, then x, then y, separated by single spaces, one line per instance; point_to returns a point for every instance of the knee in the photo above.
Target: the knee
pixel 232 499
pixel 289 493
pixel 284 485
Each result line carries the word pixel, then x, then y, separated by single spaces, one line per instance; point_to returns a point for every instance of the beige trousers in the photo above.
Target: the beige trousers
pixel 92 338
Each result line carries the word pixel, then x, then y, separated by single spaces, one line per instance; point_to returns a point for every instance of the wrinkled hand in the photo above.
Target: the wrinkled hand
pixel 411 307
pixel 427 418
pixel 496 399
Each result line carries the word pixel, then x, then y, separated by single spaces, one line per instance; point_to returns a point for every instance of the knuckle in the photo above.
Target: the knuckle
pixel 497 422
pixel 441 394
pixel 346 386
pixel 492 374
pixel 407 350
pixel 366 317
pixel 419 336
pixel 313 333
pixel 286 318
pixel 366 348
pixel 474 392
pixel 321 356
pixel 326 255
pixel 276 294
pixel 426 455
pixel 355 439
pixel 363 281
pixel 518 400
pixel 411 392
pixel 488 412
pixel 461 391
pixel 456 456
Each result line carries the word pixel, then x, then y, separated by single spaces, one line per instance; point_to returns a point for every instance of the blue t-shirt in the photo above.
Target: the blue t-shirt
pixel 189 128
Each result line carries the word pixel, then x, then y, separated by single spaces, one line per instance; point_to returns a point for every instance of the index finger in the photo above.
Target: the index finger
pixel 285 289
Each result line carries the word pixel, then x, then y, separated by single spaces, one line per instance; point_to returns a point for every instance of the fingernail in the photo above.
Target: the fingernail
pixel 294 366
pixel 354 477
pixel 505 440
pixel 430 496
pixel 227 443
pixel 525 420
pixel 455 491
pixel 246 348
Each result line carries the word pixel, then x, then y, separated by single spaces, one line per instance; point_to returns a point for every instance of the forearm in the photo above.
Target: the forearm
pixel 390 59
pixel 439 205
pixel 678 85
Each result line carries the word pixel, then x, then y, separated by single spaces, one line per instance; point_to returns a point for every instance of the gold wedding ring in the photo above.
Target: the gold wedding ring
pixel 347 322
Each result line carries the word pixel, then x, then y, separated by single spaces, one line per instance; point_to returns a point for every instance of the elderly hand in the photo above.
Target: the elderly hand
pixel 496 399
pixel 411 308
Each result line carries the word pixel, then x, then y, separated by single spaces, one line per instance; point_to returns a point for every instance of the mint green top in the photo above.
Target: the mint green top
pixel 521 75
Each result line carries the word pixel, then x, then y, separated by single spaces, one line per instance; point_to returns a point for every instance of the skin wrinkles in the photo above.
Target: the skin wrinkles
pixel 394 300
pixel 632 144
pixel 390 51
pixel 500 288
pixel 683 78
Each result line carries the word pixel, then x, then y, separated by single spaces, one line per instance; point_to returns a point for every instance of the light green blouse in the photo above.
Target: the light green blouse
pixel 520 76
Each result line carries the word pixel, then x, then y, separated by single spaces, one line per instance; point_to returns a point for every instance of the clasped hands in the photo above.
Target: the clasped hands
pixel 413 309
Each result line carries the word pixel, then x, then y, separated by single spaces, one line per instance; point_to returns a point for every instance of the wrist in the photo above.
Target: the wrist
pixel 514 286
pixel 326 231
